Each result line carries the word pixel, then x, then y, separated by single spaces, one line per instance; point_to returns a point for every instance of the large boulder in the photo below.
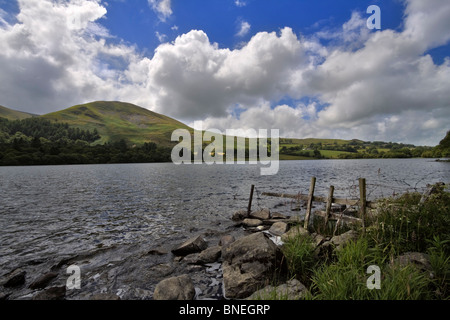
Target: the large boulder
pixel 248 263
pixel 193 245
pixel 175 288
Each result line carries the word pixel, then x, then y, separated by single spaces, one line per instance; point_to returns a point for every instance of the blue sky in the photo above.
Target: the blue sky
pixel 308 68
pixel 136 22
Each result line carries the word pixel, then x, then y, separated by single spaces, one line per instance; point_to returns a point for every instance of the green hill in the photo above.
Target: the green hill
pixel 118 120
pixel 14 114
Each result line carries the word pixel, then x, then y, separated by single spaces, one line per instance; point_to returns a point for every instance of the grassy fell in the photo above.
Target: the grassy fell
pixel 14 114
pixel 118 120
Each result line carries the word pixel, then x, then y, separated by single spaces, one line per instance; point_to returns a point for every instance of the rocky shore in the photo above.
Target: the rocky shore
pixel 238 263
pixel 244 262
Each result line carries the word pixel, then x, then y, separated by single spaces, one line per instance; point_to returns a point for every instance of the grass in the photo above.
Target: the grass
pixel 118 120
pixel 14 114
pixel 401 225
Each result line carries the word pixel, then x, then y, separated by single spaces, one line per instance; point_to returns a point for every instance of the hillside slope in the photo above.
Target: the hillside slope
pixel 14 114
pixel 118 120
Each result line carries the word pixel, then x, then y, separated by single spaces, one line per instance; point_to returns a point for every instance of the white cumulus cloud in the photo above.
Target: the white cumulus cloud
pixel 370 85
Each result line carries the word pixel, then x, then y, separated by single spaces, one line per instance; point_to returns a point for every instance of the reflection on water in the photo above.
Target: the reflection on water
pixel 47 211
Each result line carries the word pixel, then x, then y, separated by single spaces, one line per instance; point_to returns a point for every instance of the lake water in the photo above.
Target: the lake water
pixel 47 212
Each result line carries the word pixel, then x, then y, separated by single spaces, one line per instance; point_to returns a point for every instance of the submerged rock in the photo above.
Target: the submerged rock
pixel 53 293
pixel 43 281
pixel 14 279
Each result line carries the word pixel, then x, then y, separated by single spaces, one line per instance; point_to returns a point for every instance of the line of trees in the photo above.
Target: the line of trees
pixel 41 142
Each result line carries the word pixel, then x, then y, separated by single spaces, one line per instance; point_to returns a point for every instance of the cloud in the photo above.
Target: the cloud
pixel 244 29
pixel 161 37
pixel 343 83
pixel 240 3
pixel 162 7
pixel 193 78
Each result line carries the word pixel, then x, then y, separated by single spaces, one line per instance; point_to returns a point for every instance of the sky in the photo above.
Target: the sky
pixel 307 68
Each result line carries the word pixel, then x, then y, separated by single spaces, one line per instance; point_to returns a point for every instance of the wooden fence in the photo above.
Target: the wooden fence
pixel 362 203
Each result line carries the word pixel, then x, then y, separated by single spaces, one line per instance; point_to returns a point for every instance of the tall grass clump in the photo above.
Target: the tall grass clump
pixel 440 263
pixel 300 255
pixel 404 224
pixel 346 278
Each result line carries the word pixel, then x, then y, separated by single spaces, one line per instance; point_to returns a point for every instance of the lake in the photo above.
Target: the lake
pixel 49 212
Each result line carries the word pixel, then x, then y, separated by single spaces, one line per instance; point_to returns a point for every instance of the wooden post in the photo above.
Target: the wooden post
pixel 329 202
pixel 249 210
pixel 362 202
pixel 310 199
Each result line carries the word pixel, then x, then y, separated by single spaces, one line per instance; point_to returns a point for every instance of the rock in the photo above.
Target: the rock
pixel 175 288
pixel 208 255
pixel 160 270
pixel 157 252
pixel 252 222
pixel 3 296
pixel 53 293
pixel 239 215
pixel 277 215
pixel 193 245
pixel 43 281
pixel 226 240
pixel 261 214
pixel 248 263
pixel 15 278
pixel 318 239
pixel 420 260
pixel 431 189
pixel 291 290
pixel 294 232
pixel 105 296
pixel 341 240
pixel 278 228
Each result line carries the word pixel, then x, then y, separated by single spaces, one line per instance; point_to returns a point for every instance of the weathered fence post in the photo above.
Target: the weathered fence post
pixel 328 207
pixel 310 200
pixel 362 202
pixel 249 210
